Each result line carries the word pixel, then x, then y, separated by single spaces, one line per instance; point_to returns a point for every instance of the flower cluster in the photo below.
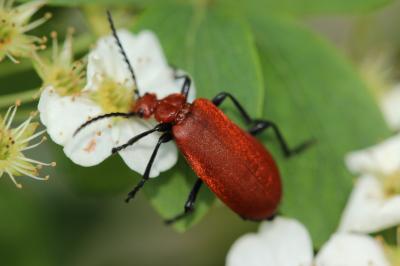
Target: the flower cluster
pixel 14 23
pixel 286 242
pixel 66 102
pixel 14 142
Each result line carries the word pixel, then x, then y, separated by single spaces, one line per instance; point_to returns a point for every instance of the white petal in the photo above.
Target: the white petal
pixel 351 250
pixel 63 115
pixel 91 145
pixel 390 105
pixel 106 61
pixel 138 155
pixel 383 158
pixel 147 58
pixel 368 210
pixel 250 250
pixel 282 242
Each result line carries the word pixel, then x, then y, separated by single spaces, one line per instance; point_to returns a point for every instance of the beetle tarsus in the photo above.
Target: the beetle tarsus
pixel 189 204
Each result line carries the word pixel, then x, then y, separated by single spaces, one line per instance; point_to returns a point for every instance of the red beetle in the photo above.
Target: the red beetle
pixel 232 163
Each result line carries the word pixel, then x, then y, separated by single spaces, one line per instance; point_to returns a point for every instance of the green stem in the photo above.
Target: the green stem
pixel 25 97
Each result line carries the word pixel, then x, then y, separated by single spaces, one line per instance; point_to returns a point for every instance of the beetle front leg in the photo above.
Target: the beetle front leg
pixel 163 139
pixel 186 84
pixel 189 204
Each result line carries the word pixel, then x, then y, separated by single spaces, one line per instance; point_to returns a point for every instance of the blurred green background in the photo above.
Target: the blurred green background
pixel 295 62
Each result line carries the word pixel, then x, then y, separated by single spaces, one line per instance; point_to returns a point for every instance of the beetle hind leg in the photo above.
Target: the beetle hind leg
pixel 262 125
pixel 258 126
pixel 189 204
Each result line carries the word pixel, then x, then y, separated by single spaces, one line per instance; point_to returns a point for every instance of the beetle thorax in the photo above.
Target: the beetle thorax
pixel 170 109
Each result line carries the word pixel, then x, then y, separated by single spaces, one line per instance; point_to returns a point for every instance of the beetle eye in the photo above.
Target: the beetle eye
pixel 141 113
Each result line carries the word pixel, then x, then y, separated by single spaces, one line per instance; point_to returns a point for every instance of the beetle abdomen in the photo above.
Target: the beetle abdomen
pixel 236 167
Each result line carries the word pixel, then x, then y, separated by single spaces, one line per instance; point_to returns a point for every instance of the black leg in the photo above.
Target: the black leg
pixel 121 48
pixel 117 114
pixel 217 100
pixel 262 125
pixel 189 205
pixel 186 84
pixel 259 126
pixel 159 128
pixel 164 138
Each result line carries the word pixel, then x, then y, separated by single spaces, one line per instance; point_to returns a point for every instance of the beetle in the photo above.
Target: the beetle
pixel 230 161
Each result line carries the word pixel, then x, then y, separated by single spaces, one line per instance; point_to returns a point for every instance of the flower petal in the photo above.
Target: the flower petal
pixel 282 242
pixel 138 155
pixel 91 145
pixel 390 105
pixel 63 115
pixel 106 61
pixel 351 250
pixel 250 250
pixel 380 159
pixel 368 210
pixel 146 56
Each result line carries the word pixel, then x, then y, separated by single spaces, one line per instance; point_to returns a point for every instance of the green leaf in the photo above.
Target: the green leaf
pixel 126 3
pixel 219 53
pixel 261 8
pixel 312 92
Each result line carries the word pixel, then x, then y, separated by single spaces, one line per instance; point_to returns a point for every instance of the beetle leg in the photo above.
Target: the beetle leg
pixel 164 138
pixel 189 204
pixel 186 84
pixel 217 100
pixel 160 128
pixel 261 125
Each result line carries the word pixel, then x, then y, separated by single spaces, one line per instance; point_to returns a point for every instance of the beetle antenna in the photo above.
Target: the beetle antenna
pixel 121 48
pixel 100 117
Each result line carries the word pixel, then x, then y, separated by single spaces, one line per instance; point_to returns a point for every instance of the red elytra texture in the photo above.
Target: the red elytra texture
pixel 231 162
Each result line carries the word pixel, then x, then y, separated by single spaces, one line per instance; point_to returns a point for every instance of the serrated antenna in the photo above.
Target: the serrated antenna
pixel 121 48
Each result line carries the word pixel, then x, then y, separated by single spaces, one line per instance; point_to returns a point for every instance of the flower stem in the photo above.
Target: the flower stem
pixel 24 96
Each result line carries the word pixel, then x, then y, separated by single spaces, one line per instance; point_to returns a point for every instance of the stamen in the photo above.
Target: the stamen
pixel 11 117
pixel 7 114
pixel 34 145
pixel 12 58
pixel 36 162
pixel 55 46
pixel 32 137
pixel 36 23
pixel 18 185
pixel 21 128
pixel 28 174
pixel 24 166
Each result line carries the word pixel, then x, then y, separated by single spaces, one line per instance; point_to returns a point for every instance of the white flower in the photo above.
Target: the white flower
pixel 375 201
pixel 14 23
pixel 110 88
pixel 282 242
pixel 345 249
pixel 286 242
pixel 390 106
pixel 14 142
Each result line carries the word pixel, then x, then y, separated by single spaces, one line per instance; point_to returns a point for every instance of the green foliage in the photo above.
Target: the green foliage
pixel 259 8
pixel 280 71
pixel 308 101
